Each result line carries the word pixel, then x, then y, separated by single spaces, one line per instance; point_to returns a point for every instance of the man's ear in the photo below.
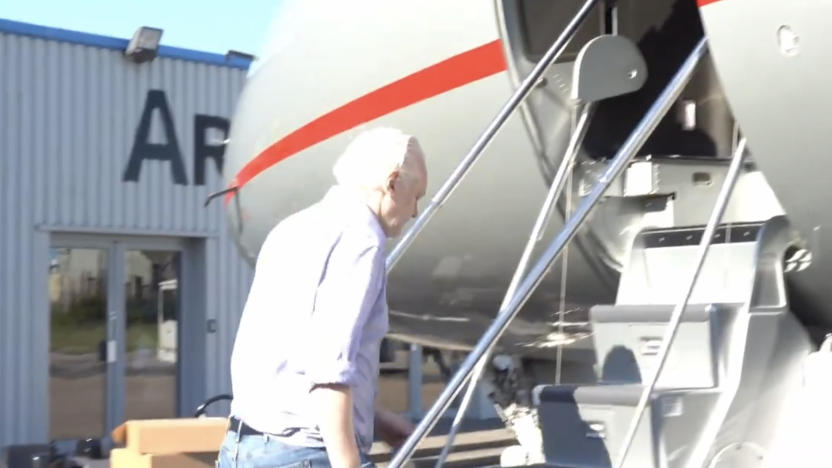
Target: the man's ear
pixel 392 179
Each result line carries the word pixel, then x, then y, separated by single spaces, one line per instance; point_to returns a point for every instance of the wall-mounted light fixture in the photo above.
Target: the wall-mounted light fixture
pixel 144 45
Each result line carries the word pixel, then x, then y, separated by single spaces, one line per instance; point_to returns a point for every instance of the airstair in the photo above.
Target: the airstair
pixel 661 406
pixel 700 337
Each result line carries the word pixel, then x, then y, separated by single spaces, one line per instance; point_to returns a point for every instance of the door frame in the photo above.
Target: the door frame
pixel 116 247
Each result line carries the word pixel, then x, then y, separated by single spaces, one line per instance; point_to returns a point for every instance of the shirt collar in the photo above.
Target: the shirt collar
pixel 353 200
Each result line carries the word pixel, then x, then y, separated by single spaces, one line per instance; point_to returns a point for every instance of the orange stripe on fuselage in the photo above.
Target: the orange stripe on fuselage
pixel 446 75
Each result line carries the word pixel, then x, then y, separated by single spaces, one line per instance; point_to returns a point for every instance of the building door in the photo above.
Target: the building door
pixel 114 339
pixel 151 305
pixel 78 282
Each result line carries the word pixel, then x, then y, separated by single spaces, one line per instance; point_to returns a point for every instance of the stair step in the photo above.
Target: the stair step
pixel 627 341
pixel 660 263
pixel 585 426
pixel 476 448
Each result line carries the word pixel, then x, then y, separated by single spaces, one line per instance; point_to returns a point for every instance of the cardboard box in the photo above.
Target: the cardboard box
pixel 126 458
pixel 172 436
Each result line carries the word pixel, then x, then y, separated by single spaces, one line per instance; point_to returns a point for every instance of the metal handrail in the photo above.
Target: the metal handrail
pixel 485 138
pixel 676 316
pixel 534 237
pixel 627 151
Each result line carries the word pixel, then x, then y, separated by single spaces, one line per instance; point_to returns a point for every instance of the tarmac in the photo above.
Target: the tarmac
pixel 77 388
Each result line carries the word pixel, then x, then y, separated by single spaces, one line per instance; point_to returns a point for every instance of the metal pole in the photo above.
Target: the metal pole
pixel 676 317
pixel 485 138
pixel 414 382
pixel 560 176
pixel 624 155
pixel 537 232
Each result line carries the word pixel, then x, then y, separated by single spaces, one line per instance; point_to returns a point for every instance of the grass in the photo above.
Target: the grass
pixel 85 338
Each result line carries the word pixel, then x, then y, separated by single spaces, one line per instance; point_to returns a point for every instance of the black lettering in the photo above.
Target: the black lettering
pixel 202 150
pixel 143 149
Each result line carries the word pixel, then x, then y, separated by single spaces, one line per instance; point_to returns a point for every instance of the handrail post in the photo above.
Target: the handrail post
pixel 627 151
pixel 485 138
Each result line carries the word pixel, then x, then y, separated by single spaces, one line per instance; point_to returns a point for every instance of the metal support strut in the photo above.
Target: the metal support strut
pixel 485 138
pixel 676 316
pixel 506 314
pixel 537 232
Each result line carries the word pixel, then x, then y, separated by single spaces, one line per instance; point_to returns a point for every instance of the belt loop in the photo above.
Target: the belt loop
pixel 237 446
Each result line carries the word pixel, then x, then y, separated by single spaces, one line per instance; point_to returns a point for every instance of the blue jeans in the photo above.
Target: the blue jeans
pixel 255 451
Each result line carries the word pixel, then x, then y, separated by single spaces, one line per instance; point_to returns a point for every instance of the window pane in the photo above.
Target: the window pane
pixel 151 291
pixel 77 360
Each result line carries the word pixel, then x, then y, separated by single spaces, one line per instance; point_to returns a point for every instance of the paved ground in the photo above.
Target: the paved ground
pixel 77 387
pixel 77 399
pixel 471 449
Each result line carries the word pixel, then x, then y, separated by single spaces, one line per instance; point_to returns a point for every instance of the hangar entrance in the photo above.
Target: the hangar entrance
pixel 114 337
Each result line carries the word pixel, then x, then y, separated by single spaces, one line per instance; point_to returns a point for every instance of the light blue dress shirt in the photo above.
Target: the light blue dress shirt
pixel 316 314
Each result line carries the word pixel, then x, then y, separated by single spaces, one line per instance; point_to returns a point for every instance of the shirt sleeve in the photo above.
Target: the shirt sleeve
pixel 349 288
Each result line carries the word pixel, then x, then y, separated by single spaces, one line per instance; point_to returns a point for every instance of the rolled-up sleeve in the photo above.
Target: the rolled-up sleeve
pixel 349 288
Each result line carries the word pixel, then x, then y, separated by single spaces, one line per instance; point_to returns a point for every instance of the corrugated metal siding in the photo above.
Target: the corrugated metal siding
pixel 69 116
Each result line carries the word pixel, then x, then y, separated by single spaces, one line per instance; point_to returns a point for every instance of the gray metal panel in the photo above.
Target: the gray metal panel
pixel 627 341
pixel 6 327
pixel 778 65
pixel 192 329
pixel 12 294
pixel 651 313
pixel 213 295
pixel 627 394
pixel 608 66
pixel 581 433
pixel 165 216
pixel 68 117
pixel 39 384
pixel 23 269
pixel 586 424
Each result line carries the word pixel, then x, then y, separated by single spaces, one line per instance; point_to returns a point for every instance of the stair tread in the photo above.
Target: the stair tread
pixel 620 394
pixel 638 313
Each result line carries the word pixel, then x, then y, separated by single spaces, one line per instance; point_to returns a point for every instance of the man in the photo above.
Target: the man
pixel 304 368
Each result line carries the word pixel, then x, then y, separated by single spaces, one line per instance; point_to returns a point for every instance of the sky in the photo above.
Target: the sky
pixel 206 25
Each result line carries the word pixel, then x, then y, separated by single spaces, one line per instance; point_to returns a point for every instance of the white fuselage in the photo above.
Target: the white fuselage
pixel 330 69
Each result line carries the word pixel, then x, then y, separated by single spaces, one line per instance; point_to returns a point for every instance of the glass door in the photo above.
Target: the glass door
pixel 114 332
pixel 152 313
pixel 78 280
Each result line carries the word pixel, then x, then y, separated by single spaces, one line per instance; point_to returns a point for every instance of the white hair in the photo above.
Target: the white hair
pixel 373 155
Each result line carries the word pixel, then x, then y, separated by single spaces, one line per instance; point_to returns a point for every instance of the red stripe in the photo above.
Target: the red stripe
pixel 454 72
pixel 702 3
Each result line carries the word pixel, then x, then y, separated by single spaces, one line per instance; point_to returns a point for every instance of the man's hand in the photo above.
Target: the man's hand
pixel 392 428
